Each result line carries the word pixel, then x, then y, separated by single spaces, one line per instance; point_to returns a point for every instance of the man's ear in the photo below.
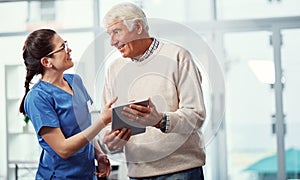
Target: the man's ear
pixel 46 62
pixel 139 26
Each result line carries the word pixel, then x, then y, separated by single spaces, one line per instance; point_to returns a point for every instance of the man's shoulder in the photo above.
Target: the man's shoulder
pixel 118 62
pixel 172 46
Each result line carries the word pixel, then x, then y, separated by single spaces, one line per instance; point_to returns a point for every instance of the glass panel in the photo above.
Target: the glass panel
pixel 181 11
pixel 249 9
pixel 11 21
pixel 35 14
pixel 75 14
pixel 250 103
pixel 12 49
pixel 77 45
pixel 291 97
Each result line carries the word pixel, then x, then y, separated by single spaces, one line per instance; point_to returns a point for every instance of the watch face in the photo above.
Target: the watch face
pixel 163 123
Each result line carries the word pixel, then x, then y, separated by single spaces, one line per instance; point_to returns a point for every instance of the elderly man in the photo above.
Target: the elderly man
pixel 172 147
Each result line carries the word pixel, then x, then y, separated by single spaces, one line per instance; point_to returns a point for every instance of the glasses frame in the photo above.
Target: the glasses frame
pixel 64 46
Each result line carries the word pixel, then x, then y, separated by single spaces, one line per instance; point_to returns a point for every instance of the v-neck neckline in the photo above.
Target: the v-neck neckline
pixel 60 89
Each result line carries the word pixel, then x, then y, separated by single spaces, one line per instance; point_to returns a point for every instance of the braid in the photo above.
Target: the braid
pixel 29 77
pixel 37 45
pixel 33 67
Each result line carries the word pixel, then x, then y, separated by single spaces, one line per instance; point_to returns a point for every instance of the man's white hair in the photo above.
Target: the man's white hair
pixel 126 12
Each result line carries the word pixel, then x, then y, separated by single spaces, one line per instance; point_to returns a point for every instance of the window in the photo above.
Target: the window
pixel 251 9
pixel 249 103
pixel 173 10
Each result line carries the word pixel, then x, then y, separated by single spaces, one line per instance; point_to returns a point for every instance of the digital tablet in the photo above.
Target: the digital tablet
pixel 119 121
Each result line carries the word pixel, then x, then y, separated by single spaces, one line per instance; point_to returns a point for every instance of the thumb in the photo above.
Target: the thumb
pixel 151 105
pixel 111 102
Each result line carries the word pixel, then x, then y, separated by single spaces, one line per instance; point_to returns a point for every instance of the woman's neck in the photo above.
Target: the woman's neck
pixel 58 81
pixel 55 79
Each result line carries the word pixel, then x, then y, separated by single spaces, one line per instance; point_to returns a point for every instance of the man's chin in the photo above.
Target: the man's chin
pixel 125 56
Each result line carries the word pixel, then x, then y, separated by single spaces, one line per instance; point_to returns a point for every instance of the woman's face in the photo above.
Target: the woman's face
pixel 60 56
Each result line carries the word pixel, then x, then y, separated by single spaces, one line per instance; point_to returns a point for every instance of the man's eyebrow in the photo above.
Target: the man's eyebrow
pixel 113 30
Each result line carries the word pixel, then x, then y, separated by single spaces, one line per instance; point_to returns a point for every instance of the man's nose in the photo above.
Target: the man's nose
pixel 113 42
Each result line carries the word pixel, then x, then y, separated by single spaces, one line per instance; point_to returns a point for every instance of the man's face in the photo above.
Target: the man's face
pixel 127 42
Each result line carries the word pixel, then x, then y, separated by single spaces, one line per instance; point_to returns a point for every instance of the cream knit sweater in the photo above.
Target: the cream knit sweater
pixel 172 81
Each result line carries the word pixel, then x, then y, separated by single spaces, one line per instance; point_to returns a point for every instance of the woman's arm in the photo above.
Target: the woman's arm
pixel 65 147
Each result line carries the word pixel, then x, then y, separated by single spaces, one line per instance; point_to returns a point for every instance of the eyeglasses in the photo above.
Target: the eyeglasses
pixel 64 46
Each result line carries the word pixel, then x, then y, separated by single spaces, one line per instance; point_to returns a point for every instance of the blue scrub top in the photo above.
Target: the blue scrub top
pixel 48 105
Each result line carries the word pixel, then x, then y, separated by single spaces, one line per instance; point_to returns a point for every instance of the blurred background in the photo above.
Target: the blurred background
pixel 256 43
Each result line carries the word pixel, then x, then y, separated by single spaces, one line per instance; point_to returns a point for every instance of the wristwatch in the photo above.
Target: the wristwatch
pixel 164 123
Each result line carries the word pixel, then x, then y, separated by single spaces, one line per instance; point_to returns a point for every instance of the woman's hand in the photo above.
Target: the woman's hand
pixel 106 112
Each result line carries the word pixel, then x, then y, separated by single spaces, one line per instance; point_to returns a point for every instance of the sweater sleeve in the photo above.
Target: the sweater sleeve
pixel 106 97
pixel 190 114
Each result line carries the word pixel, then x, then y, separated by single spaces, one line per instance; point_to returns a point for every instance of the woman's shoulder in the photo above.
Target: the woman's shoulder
pixel 70 76
pixel 40 90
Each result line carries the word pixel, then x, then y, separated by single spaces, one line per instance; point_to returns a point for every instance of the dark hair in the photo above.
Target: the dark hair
pixel 37 45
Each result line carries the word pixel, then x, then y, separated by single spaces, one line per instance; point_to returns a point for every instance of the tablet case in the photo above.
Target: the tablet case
pixel 120 121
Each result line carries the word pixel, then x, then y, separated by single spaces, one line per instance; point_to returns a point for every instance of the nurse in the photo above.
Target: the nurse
pixel 58 107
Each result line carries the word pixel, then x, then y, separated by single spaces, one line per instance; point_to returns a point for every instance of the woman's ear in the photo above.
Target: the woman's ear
pixel 46 62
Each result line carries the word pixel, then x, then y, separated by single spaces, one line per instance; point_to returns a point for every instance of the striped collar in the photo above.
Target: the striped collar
pixel 149 51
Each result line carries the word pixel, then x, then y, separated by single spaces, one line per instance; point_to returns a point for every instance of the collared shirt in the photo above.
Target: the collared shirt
pixel 149 51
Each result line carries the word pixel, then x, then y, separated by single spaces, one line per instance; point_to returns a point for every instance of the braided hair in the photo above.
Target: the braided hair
pixel 37 45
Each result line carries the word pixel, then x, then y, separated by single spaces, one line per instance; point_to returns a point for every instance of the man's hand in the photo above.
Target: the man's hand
pixel 103 166
pixel 115 140
pixel 144 115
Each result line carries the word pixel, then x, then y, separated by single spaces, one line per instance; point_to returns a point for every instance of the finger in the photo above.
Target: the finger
pixel 112 141
pixel 140 108
pixel 102 171
pixel 119 140
pixel 100 174
pixel 113 144
pixel 126 134
pixel 130 110
pixel 121 133
pixel 108 169
pixel 129 116
pixel 111 102
pixel 136 118
pixel 103 166
pixel 136 110
pixel 110 132
pixel 110 136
